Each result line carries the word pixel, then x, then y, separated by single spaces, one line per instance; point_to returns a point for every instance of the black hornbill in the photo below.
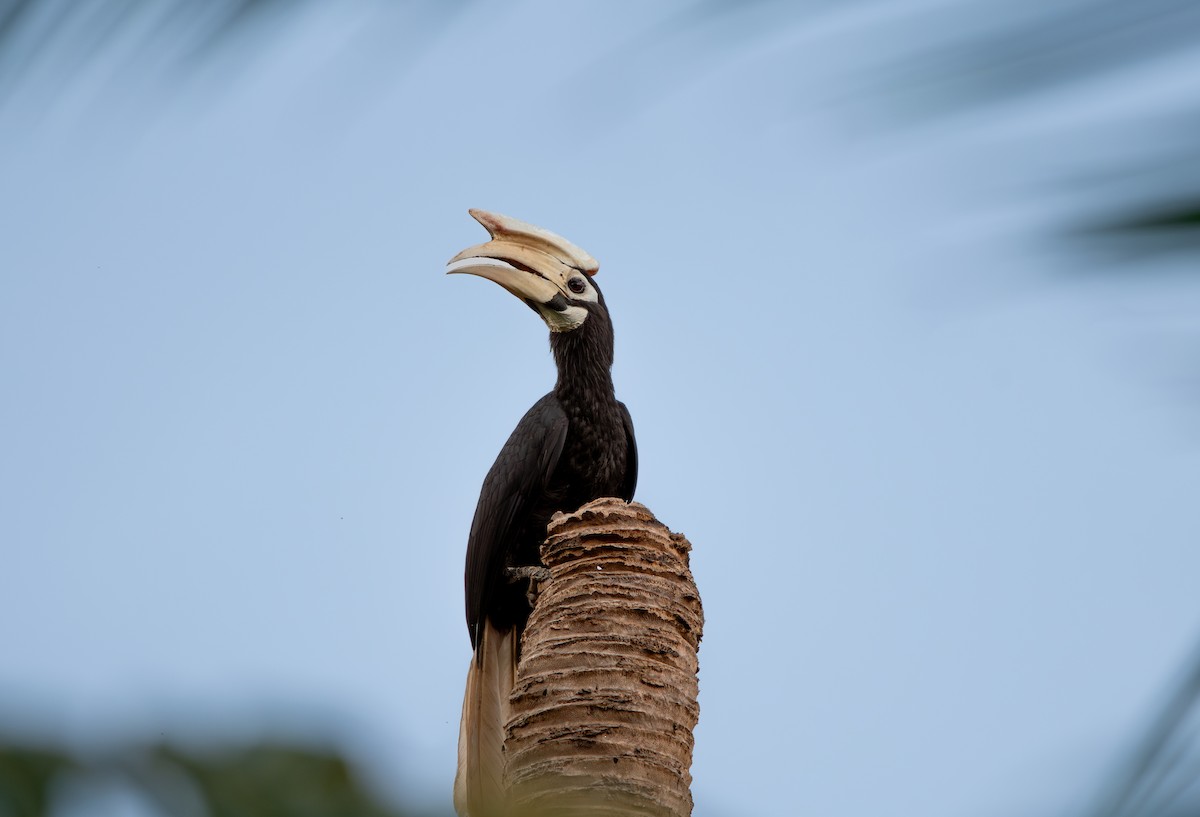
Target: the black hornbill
pixel 574 445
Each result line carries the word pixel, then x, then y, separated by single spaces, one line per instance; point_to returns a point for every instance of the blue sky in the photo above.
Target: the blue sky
pixel 941 498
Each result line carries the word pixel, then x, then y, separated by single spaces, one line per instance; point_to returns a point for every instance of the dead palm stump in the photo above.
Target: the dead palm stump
pixel 605 698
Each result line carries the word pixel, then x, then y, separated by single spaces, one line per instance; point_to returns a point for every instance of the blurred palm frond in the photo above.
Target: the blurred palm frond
pixel 1160 777
pixel 74 35
pixel 948 58
pixel 53 45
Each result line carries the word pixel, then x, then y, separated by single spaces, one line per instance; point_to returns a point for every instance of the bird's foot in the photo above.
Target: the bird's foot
pixel 534 574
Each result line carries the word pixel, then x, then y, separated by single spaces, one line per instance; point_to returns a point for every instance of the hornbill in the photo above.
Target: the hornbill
pixel 574 445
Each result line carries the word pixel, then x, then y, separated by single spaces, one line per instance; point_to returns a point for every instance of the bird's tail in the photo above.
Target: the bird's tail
pixel 479 783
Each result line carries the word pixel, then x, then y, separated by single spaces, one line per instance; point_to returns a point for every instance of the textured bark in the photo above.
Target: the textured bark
pixel 605 699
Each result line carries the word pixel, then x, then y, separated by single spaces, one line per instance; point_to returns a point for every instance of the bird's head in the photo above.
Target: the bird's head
pixel 544 270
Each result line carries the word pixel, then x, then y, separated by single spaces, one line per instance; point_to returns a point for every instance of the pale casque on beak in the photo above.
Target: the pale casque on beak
pixel 543 269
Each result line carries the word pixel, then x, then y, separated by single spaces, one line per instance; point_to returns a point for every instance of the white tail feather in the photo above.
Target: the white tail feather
pixel 479 783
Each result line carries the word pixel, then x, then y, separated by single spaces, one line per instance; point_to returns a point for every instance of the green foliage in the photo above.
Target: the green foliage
pixel 258 780
pixel 26 775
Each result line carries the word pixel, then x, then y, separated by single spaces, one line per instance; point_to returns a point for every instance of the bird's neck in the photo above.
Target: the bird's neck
pixel 584 358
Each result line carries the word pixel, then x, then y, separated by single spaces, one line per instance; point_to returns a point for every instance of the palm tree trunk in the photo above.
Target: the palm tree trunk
pixel 605 699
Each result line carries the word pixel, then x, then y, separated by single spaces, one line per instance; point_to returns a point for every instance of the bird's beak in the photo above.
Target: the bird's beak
pixel 529 286
pixel 532 263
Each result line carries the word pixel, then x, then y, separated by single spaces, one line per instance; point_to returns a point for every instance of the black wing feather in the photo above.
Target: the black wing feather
pixel 631 456
pixel 515 482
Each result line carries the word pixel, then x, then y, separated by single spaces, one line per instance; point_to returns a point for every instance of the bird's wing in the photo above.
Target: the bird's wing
pixel 631 456
pixel 516 480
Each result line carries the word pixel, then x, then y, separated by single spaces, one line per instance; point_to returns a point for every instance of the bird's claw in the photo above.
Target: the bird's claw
pixel 534 574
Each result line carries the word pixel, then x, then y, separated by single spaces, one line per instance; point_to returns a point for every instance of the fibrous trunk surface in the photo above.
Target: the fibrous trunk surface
pixel 605 699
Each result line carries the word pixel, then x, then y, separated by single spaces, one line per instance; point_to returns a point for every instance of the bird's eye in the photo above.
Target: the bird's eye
pixel 577 285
